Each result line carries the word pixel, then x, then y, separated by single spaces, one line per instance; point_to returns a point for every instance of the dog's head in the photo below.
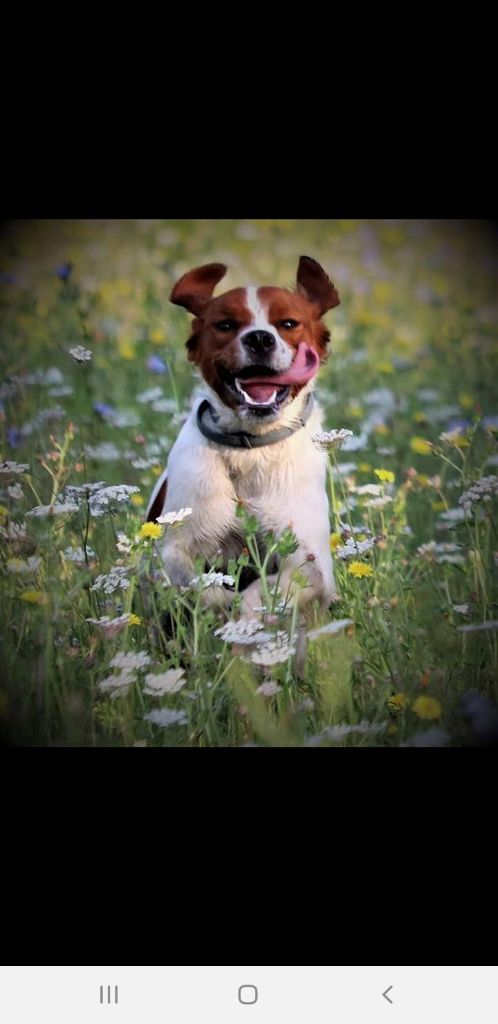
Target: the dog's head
pixel 257 347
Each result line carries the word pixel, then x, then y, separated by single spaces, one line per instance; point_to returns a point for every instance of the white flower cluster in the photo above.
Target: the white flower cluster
pixel 169 518
pixel 338 732
pixel 111 626
pixel 245 631
pixel 10 468
pixel 375 490
pixel 100 497
pixel 277 650
pixel 269 689
pixel 212 579
pixel 482 490
pixel 326 439
pixel 159 683
pixel 166 716
pixel 127 665
pixel 123 544
pixel 77 555
pixel 57 509
pixel 106 451
pixel 116 579
pixel 80 354
pixel 441 553
pixel 353 548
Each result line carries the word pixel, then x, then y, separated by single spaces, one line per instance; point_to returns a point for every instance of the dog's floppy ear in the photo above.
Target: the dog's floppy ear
pixel 194 289
pixel 314 285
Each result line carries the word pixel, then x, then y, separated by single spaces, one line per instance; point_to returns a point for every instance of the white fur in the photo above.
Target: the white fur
pixel 282 484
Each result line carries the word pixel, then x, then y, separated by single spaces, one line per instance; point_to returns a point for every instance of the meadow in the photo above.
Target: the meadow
pixel 95 386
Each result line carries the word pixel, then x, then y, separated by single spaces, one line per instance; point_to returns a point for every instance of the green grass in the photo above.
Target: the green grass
pixel 418 315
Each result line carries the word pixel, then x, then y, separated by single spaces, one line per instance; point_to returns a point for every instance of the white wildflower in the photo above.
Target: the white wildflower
pixel 130 660
pixel 482 490
pixel 378 502
pixel 344 469
pixel 117 684
pixel 338 732
pixel 353 548
pixel 150 395
pixel 164 405
pixel 42 417
pixel 212 579
pixel 116 578
pixel 169 518
pixel 80 354
pixel 57 509
pixel 77 555
pixel 477 627
pixel 325 439
pixel 24 567
pixel 145 463
pixel 104 452
pixel 159 683
pixel 246 631
pixel 330 629
pixel 14 533
pixel 375 490
pixel 450 553
pixel 123 544
pixel 10 468
pixel 453 515
pixel 165 717
pixel 15 492
pixel 108 496
pixel 461 609
pixel 111 626
pixel 269 689
pixel 277 650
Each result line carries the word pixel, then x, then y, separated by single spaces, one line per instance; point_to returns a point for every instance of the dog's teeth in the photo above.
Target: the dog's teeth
pixel 251 401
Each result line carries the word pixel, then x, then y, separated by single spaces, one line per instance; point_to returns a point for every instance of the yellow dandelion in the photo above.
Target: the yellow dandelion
pixel 360 569
pixel 422 479
pixel 427 707
pixel 397 702
pixel 386 475
pixel 153 530
pixel 134 620
pixel 335 541
pixel 136 499
pixel 126 349
pixel 158 336
pixel 385 367
pixel 34 596
pixel 156 470
pixel 465 400
pixel 420 446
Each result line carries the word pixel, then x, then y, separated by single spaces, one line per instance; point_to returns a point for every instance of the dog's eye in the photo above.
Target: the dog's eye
pixel 226 325
pixel 288 324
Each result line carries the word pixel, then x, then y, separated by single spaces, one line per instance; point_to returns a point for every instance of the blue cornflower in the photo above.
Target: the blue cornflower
pixel 156 365
pixel 64 271
pixel 106 411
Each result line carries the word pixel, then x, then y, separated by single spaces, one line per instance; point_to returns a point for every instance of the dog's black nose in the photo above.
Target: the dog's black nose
pixel 259 342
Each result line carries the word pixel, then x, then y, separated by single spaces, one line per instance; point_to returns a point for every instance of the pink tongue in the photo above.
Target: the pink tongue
pixel 303 368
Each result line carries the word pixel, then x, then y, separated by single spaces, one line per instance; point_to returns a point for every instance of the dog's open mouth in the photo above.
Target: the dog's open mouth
pixel 262 389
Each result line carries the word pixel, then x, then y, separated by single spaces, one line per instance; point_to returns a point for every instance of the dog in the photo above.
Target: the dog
pixel 249 435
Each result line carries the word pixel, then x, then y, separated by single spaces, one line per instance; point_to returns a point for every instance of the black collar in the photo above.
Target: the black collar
pixel 240 439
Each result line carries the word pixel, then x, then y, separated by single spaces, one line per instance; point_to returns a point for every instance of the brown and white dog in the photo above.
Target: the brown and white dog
pixel 249 433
